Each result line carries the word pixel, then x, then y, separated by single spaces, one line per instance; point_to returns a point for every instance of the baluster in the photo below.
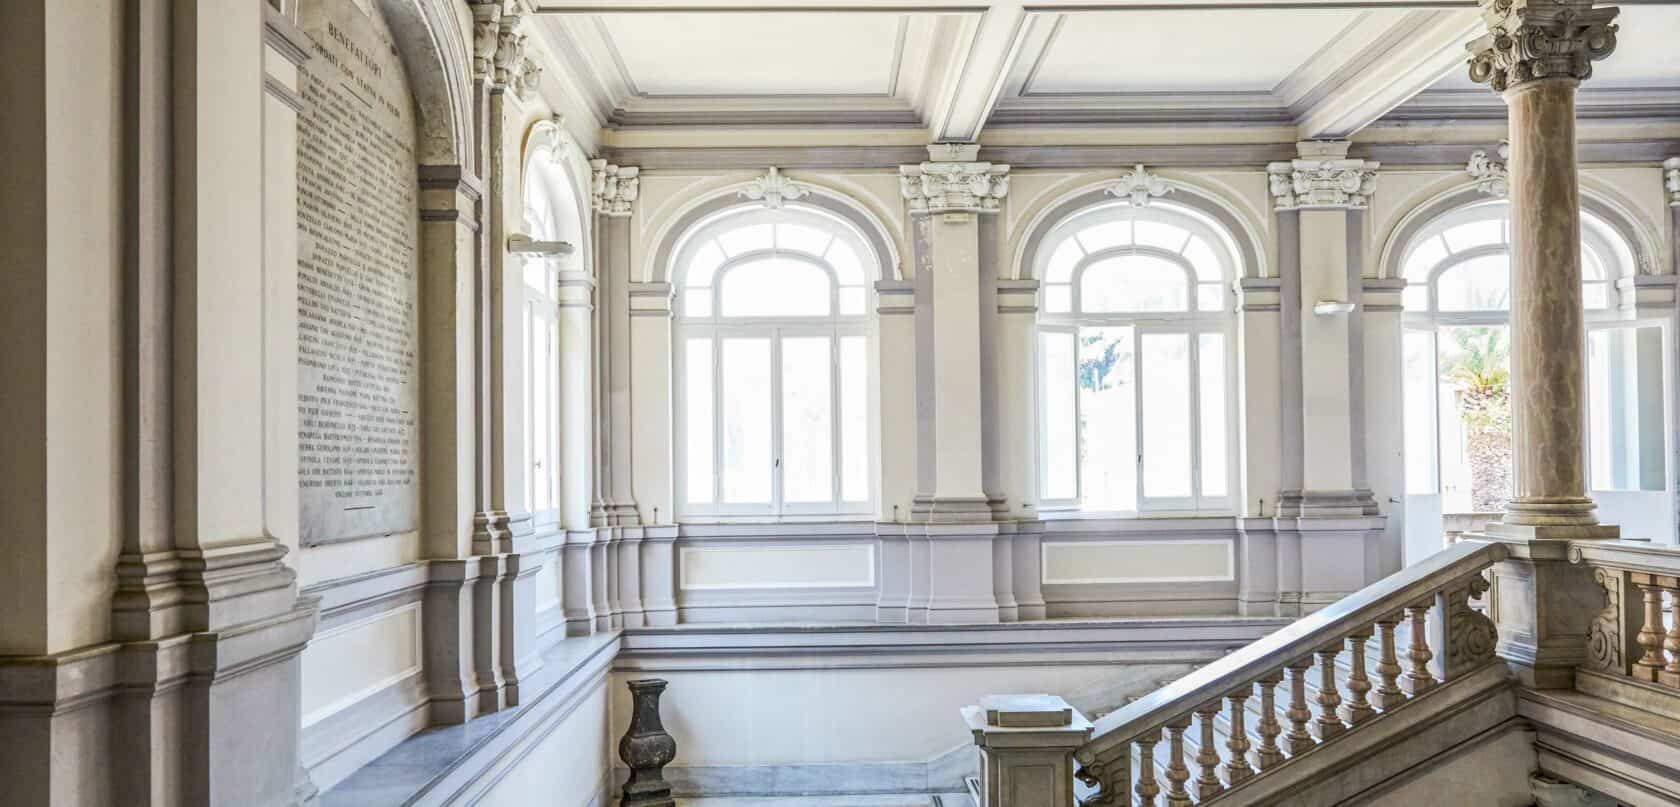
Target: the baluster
pixel 1237 769
pixel 1650 665
pixel 1418 679
pixel 1670 675
pixel 1147 788
pixel 1388 694
pixel 1357 709
pixel 1328 726
pixel 1207 755
pixel 1177 772
pixel 1299 740
pixel 1268 755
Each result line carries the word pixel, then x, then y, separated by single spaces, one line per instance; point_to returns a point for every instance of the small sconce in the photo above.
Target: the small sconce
pixel 522 244
pixel 1329 308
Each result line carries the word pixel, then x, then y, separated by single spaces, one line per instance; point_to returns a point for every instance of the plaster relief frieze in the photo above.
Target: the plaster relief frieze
pixel 1530 40
pixel 1671 180
pixel 938 187
pixel 1312 183
pixel 774 188
pixel 1489 170
pixel 1139 186
pixel 613 188
pixel 486 25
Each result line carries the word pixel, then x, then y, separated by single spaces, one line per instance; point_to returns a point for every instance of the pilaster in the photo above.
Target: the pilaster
pixel 613 193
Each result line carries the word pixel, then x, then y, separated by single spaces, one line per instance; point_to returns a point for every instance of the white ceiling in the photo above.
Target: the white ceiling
pixel 951 67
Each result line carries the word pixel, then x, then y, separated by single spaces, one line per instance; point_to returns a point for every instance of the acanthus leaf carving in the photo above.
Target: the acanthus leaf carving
pixel 1322 183
pixel 953 187
pixel 1530 40
pixel 1139 186
pixel 1490 170
pixel 486 26
pixel 529 78
pixel 613 188
pixel 510 52
pixel 774 189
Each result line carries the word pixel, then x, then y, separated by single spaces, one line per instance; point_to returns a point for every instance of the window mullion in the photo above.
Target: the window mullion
pixel 776 465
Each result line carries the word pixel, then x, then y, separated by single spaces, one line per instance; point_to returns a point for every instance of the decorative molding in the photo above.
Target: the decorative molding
pixel 613 188
pixel 1322 177
pixel 1139 186
pixel 509 59
pixel 1489 171
pixel 1671 180
pixel 1604 635
pixel 774 188
pixel 529 79
pixel 1471 635
pixel 1530 40
pixel 486 24
pixel 940 187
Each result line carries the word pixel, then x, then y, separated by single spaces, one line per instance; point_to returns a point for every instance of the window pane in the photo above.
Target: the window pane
pixel 1134 283
pixel 799 238
pixel 851 301
pixel 1058 299
pixel 1595 295
pixel 697 302
pixel 1422 260
pixel 1418 393
pixel 697 403
pixel 1474 406
pixel 1205 261
pixel 1215 448
pixel 1166 414
pixel 746 420
pixel 1210 297
pixel 782 287
pixel 845 263
pixel 1060 267
pixel 1108 234
pixel 1473 234
pixel 854 419
pixel 707 258
pixel 807 420
pixel 1600 446
pixel 1478 284
pixel 1415 297
pixel 1060 428
pixel 1108 420
pixel 746 239
pixel 1160 235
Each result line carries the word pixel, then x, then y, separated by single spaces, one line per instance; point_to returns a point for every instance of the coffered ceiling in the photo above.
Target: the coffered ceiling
pixel 953 67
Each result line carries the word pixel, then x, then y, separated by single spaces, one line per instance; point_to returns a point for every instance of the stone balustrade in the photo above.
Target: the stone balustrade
pixel 1258 710
pixel 1631 636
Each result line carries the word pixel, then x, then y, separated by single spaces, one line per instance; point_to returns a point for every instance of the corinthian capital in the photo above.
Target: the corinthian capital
pixel 1671 180
pixel 613 188
pixel 1322 177
pixel 1529 40
pixel 953 187
pixel 486 22
pixel 510 52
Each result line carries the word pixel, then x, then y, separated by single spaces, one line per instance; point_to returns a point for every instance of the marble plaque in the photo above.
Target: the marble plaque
pixel 358 230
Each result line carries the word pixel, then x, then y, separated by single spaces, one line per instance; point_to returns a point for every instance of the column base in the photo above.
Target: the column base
pixel 1529 532
pixel 494 531
pixel 1533 518
pixel 926 509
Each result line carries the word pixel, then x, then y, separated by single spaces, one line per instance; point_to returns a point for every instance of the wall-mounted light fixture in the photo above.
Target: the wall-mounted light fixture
pixel 1330 308
pixel 522 244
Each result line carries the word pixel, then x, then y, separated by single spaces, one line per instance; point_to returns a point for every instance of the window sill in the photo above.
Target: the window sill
pixel 1164 515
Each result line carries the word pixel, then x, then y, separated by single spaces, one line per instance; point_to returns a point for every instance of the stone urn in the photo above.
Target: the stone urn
pixel 646 748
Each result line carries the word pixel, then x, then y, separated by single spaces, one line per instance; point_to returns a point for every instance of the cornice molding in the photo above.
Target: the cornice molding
pixel 774 188
pixel 1489 170
pixel 1671 180
pixel 1322 177
pixel 1531 40
pixel 613 188
pixel 952 187
pixel 1139 186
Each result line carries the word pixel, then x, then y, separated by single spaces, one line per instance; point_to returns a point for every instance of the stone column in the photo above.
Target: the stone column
pixel 1327 520
pixel 946 199
pixel 1536 53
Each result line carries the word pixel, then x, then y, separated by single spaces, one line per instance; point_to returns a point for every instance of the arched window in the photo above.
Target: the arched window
pixel 1457 361
pixel 772 365
pixel 1135 362
pixel 541 352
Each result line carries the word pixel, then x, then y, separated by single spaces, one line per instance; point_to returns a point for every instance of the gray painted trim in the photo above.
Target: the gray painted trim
pixel 283 35
pixel 282 93
pixel 1183 195
pixel 749 157
pixel 1290 405
pixel 1357 473
pixel 822 198
pixel 991 476
pixel 1591 152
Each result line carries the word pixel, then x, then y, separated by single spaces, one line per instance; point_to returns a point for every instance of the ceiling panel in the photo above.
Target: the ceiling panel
pixel 1178 51
pixel 757 54
pixel 1645 56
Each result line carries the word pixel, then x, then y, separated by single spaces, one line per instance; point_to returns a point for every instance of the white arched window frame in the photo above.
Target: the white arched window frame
pixel 772 366
pixel 540 334
pixel 1136 383
pixel 1457 273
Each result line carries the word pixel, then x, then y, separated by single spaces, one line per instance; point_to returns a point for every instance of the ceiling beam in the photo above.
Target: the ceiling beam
pixel 1428 45
pixel 975 73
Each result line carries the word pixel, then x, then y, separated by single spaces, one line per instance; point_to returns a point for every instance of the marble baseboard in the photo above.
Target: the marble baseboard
pixel 943 774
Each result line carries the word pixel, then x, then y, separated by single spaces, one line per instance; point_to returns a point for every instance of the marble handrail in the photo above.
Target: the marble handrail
pixel 1434 591
pixel 1629 637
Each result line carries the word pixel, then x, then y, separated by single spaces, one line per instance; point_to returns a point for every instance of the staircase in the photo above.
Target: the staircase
pixel 1380 687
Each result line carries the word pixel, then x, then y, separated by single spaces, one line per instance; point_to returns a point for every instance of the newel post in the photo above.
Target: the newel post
pixel 1026 749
